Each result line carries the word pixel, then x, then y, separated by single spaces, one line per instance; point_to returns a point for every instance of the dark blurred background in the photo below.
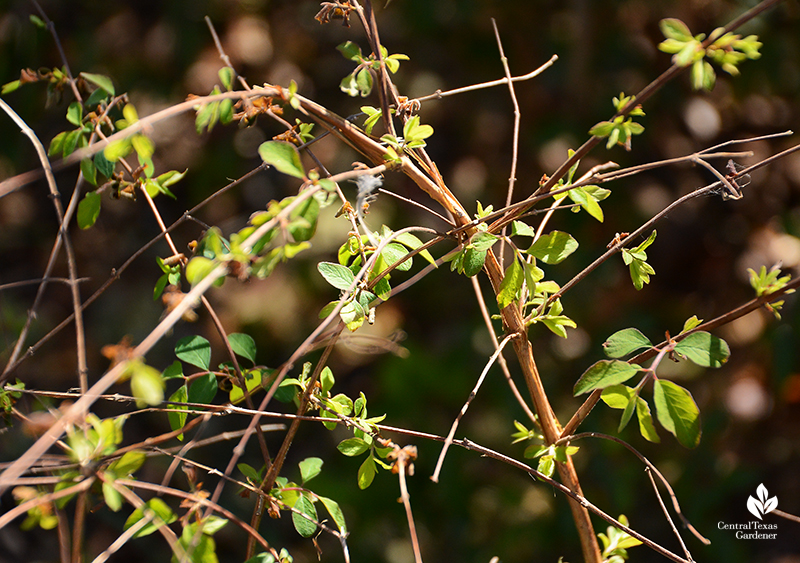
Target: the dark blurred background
pixel 161 51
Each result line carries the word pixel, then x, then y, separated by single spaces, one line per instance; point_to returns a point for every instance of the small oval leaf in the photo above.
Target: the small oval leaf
pixel 704 349
pixel 303 525
pixel 89 210
pixel 243 345
pixel 624 342
pixel 194 350
pixel 554 247
pixel 283 156
pixel 677 412
pixel 604 374
pixel 337 275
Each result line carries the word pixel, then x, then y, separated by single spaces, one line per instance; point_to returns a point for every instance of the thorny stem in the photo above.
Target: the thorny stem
pixel 512 177
pixel 438 95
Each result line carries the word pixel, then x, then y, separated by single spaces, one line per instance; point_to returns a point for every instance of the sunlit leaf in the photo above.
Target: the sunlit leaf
pixel 625 342
pixel 677 412
pixel 704 349
pixel 194 350
pixel 604 374
pixel 283 156
pixel 337 275
pixel 304 526
pixel 554 247
pixel 310 468
pixel 89 209
pixel 243 345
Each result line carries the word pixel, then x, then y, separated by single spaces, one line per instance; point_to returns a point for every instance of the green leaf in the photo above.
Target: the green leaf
pixel 627 412
pixel 10 87
pixel 366 473
pixel 89 209
pixel 352 447
pixel 587 202
pixel 554 247
pixel 602 129
pixel 198 268
pixel 71 142
pixel 335 511
pixel 673 28
pixel 37 21
pixel 203 389
pixel 364 82
pixel 89 171
pixel 691 322
pixel 146 385
pixel 103 165
pixel 646 427
pixel 482 241
pixel 337 275
pixel 304 526
pixel 251 474
pixel 303 223
pixel 252 379
pixel 511 285
pixel 677 412
pixel 518 228
pixel 283 156
pixel 226 77
pixel 473 261
pixel 393 252
pixel 117 150
pixel 177 420
pixel 604 374
pixel 243 345
pixel 625 342
pixel 704 349
pixel 194 350
pixel 173 370
pixel 409 240
pixel 213 524
pixel 703 76
pixel 143 146
pixel 128 464
pixel 100 81
pixel 75 113
pixel 546 465
pixel 112 496
pixel 617 396
pixel 310 468
pixel 350 51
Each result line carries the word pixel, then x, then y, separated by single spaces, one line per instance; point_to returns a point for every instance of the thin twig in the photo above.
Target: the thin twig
pixel 501 360
pixel 51 27
pixel 512 177
pixel 463 411
pixel 438 95
pixel 116 273
pixel 71 263
pixel 740 311
pixel 406 498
